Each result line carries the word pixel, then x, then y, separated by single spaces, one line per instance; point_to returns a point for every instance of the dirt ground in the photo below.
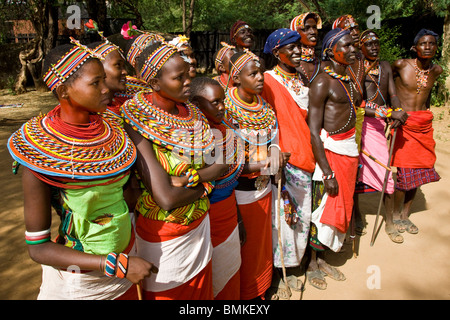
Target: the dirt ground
pixel 417 269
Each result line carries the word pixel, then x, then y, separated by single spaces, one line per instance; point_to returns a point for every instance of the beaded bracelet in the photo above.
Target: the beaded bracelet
pixel 193 178
pixel 389 113
pixel 116 265
pixel 398 109
pixel 38 237
pixel 122 266
pixel 328 177
pixel 381 112
pixel 208 188
pixel 110 264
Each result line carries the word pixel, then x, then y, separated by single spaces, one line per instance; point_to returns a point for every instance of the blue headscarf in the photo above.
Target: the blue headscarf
pixel 425 32
pixel 279 38
pixel 331 38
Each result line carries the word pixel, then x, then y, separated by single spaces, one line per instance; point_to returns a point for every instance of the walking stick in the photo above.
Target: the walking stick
pixel 384 188
pixel 283 268
pixel 139 290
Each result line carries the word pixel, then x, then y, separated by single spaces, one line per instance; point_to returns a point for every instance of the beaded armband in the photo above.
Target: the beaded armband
pixel 193 178
pixel 116 265
pixel 37 237
pixel 328 177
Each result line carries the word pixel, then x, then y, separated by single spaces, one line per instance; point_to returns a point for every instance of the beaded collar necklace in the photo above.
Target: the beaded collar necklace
pixel 250 118
pixel 233 154
pixel 189 134
pixel 50 146
pixel 290 80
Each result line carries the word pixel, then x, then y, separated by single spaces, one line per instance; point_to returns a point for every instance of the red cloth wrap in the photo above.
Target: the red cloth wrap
pixel 198 288
pixel 256 253
pixel 223 219
pixel 295 136
pixel 414 143
pixel 338 208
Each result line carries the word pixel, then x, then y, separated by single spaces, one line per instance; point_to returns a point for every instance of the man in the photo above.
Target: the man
pixel 382 105
pixel 414 154
pixel 331 118
pixel 241 36
pixel 306 25
pixel 356 70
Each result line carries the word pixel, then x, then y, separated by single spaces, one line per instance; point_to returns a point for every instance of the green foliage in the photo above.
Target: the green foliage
pixel 390 50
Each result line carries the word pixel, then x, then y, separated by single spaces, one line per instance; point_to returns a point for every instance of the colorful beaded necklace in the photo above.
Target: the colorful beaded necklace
pixel 335 75
pixel 190 134
pixel 233 154
pixel 307 54
pixel 290 80
pixel 250 118
pixel 50 146
pixel 421 76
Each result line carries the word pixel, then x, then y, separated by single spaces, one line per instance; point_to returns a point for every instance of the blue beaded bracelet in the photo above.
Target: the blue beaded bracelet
pixel 110 264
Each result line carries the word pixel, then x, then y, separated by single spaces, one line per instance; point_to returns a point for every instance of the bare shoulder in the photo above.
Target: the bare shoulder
pixel 437 69
pixel 400 64
pixel 321 80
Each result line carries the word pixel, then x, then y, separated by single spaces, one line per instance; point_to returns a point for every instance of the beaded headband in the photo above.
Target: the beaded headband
pixel 221 53
pixel 68 64
pixel 331 39
pixel 139 44
pixel 156 60
pixel 107 46
pixel 368 36
pixel 299 21
pixel 239 64
pixel 245 26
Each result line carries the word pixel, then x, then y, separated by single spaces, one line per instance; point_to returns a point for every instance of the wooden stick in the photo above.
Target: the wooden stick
pixel 384 189
pixel 139 291
pixel 376 160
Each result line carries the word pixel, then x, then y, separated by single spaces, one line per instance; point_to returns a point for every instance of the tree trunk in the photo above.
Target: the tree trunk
pixel 191 19
pixel 44 17
pixel 183 15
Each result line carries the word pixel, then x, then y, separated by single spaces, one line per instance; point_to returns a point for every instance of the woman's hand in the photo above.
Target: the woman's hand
pixel 139 269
